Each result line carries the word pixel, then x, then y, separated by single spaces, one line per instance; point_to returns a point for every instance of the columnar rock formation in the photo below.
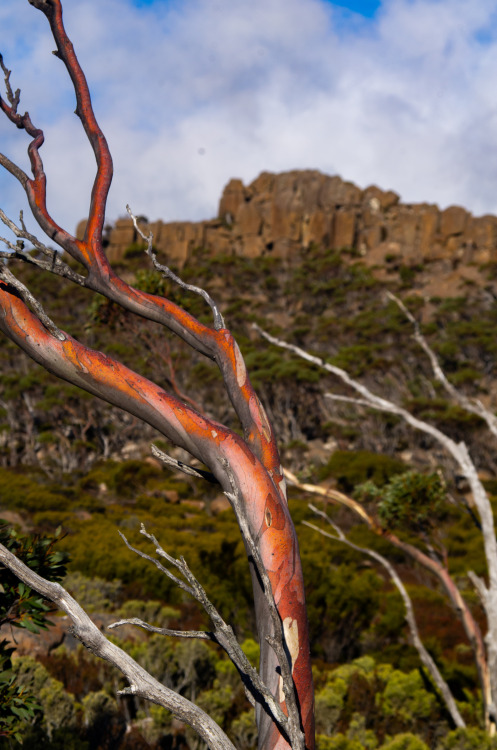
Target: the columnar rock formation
pixel 280 213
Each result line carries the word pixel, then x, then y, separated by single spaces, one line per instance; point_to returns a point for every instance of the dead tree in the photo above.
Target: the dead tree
pixel 248 469
pixel 484 647
pixel 418 644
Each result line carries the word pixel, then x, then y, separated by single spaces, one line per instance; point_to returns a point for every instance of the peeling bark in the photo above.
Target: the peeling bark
pixel 248 468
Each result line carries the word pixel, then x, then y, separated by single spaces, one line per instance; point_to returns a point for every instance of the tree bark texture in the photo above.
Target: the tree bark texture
pixel 248 467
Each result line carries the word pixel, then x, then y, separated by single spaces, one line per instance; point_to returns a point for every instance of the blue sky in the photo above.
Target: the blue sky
pixel 366 8
pixel 191 93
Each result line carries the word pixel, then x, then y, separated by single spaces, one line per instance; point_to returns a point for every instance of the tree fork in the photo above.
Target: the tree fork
pixel 248 468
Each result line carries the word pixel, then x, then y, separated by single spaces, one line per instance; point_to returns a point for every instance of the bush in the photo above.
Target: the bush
pixel 405 742
pixel 351 468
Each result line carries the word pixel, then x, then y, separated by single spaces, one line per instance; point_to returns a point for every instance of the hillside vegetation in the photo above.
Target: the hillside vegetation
pixel 69 460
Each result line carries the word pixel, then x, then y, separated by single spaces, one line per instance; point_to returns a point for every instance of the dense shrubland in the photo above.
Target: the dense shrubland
pixel 61 454
pixel 324 300
pixel 370 687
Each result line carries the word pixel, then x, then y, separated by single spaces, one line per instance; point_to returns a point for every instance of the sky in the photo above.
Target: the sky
pixel 191 93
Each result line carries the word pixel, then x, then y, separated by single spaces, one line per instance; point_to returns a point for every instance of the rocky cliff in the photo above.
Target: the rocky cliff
pixel 280 213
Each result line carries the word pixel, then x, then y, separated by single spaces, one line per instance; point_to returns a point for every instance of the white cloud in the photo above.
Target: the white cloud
pixel 192 93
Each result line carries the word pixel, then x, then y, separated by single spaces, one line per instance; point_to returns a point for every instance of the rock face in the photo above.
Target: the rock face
pixel 280 213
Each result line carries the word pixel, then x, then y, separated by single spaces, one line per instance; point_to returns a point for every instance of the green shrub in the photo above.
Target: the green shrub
pixel 409 501
pixel 469 738
pixel 350 468
pixel 405 741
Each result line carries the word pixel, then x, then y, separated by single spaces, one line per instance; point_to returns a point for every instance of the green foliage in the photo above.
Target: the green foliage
pixel 252 651
pixel 244 731
pixel 58 708
pixel 100 712
pixel 154 612
pixel 17 704
pixel 152 282
pixel 350 468
pixel 94 594
pixel 130 477
pixel 341 605
pixel 216 702
pixel 364 701
pixel 34 492
pixel 469 738
pixel 135 250
pixel 330 702
pixel 404 696
pixel 411 500
pixel 189 663
pixel 408 274
pixel 21 607
pixel 406 741
pixel 268 366
pixel 338 742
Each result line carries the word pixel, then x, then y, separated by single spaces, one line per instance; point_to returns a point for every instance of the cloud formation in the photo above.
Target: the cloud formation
pixel 193 92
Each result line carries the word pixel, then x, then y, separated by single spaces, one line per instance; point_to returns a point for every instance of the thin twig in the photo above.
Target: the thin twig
pixel 472 406
pixel 26 295
pixel 12 98
pixel 200 634
pixel 222 634
pixel 410 617
pixel 177 581
pixel 141 683
pixel 166 271
pixel 173 463
pixel 54 264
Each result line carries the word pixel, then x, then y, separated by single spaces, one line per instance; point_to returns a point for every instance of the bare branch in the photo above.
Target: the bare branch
pixel 469 405
pixel 480 586
pixel 410 617
pixel 223 633
pixel 199 634
pixel 166 271
pixel 54 264
pixel 26 295
pixel 12 98
pixel 14 170
pixel 176 563
pixel 180 466
pixel 330 494
pixel 458 451
pixel 141 683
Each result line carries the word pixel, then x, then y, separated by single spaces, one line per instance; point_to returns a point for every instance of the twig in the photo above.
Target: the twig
pixel 222 634
pixel 180 466
pixel 410 617
pixel 13 98
pixel 469 405
pixel 200 634
pixel 54 264
pixel 162 568
pixel 141 683
pixel 26 295
pixel 166 271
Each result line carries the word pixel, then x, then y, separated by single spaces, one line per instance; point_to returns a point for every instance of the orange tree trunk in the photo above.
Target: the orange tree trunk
pixel 249 466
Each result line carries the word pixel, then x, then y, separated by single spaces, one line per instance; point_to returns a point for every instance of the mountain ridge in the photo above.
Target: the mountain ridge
pixel 279 215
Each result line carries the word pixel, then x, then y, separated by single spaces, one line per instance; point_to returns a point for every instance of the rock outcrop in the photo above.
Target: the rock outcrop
pixel 280 213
